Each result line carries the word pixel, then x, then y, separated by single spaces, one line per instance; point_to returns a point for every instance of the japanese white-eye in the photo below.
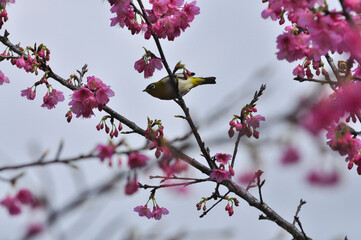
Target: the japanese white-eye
pixel 163 89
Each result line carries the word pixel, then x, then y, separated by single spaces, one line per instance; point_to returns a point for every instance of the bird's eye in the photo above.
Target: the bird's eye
pixel 152 86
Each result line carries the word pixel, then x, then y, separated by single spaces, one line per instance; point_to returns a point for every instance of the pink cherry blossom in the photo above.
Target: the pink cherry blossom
pixel 292 47
pixel 4 2
pixel 357 71
pixel 290 156
pixel 143 211
pixel 322 178
pixel 3 78
pixel 320 116
pixel 24 196
pixel 148 64
pixel 52 98
pixel 83 102
pixel 191 10
pixel 140 65
pixel 12 205
pixel 219 175
pixel 171 167
pixel 132 186
pixel 341 140
pixel 223 158
pixel 34 229
pixel 299 71
pixel 105 151
pixel 246 177
pixel 28 93
pixel 154 63
pixel 158 212
pixel 167 17
pixel 102 91
pixel 137 160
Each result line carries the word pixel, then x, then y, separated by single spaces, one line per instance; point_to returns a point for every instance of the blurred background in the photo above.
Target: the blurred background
pixel 230 41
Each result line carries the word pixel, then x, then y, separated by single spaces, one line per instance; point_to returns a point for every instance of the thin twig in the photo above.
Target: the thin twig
pixel 256 97
pixel 54 161
pixel 298 210
pixel 300 225
pixel 184 184
pixel 333 67
pixel 300 79
pixel 215 204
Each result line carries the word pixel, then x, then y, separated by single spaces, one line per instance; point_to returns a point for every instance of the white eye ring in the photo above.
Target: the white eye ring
pixel 152 86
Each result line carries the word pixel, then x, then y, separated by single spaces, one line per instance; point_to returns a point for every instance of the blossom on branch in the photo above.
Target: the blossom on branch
pixel 147 64
pixel 158 212
pixel 290 156
pixel 105 151
pixel 137 160
pixel 12 205
pixel 83 102
pixel 3 3
pixel 143 211
pixel 3 78
pixel 28 93
pixel 167 18
pixel 219 175
pixel 94 94
pixel 223 158
pixel 52 98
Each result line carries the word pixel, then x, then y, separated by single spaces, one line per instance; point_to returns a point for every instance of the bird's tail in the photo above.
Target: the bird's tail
pixel 207 80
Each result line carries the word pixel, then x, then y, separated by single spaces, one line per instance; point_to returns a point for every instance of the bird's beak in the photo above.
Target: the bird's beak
pixel 144 90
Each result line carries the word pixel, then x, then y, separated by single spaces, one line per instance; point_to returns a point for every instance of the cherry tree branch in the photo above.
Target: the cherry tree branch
pixel 40 163
pixel 300 79
pixel 256 96
pixel 263 207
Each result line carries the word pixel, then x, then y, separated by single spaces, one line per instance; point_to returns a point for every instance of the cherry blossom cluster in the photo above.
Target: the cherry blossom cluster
pixel 95 94
pixel 246 123
pixel 3 3
pixel 166 19
pixel 219 174
pixel 231 202
pixel 3 16
pixel 135 161
pixel 315 31
pixel 51 98
pixel 148 63
pixel 304 69
pixel 167 162
pixel 323 178
pixel 31 58
pixel 114 131
pixel 202 204
pixel 3 13
pixel 290 155
pixel 30 61
pixel 106 152
pixel 328 113
pixel 13 203
pixel 3 78
pixel 157 212
pixel 156 137
pixel 229 207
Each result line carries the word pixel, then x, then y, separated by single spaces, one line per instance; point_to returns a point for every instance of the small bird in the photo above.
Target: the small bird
pixel 163 89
